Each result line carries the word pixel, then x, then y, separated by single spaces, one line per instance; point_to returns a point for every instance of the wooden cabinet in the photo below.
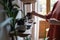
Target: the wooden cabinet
pixel 43 25
pixel 28 1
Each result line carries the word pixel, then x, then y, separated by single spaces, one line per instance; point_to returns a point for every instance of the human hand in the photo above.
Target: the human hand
pixel 33 13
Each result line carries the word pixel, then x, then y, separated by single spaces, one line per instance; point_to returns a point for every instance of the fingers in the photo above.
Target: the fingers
pixel 33 12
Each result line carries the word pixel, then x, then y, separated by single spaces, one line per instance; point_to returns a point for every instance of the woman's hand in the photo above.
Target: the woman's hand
pixel 36 14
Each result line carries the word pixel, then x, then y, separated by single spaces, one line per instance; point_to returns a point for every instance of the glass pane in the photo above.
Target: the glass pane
pixel 42 7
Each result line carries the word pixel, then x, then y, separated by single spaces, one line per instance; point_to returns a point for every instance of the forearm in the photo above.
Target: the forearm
pixel 39 15
pixel 54 22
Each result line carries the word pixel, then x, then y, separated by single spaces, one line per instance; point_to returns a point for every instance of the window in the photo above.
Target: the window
pixel 41 7
pixel 52 3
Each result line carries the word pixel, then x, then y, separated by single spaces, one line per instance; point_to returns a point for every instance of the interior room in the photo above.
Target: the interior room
pixel 23 20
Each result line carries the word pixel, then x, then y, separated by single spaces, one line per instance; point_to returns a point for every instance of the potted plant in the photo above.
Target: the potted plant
pixel 10 11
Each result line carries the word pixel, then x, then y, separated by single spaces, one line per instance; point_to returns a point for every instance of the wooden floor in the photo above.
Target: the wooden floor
pixel 43 39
